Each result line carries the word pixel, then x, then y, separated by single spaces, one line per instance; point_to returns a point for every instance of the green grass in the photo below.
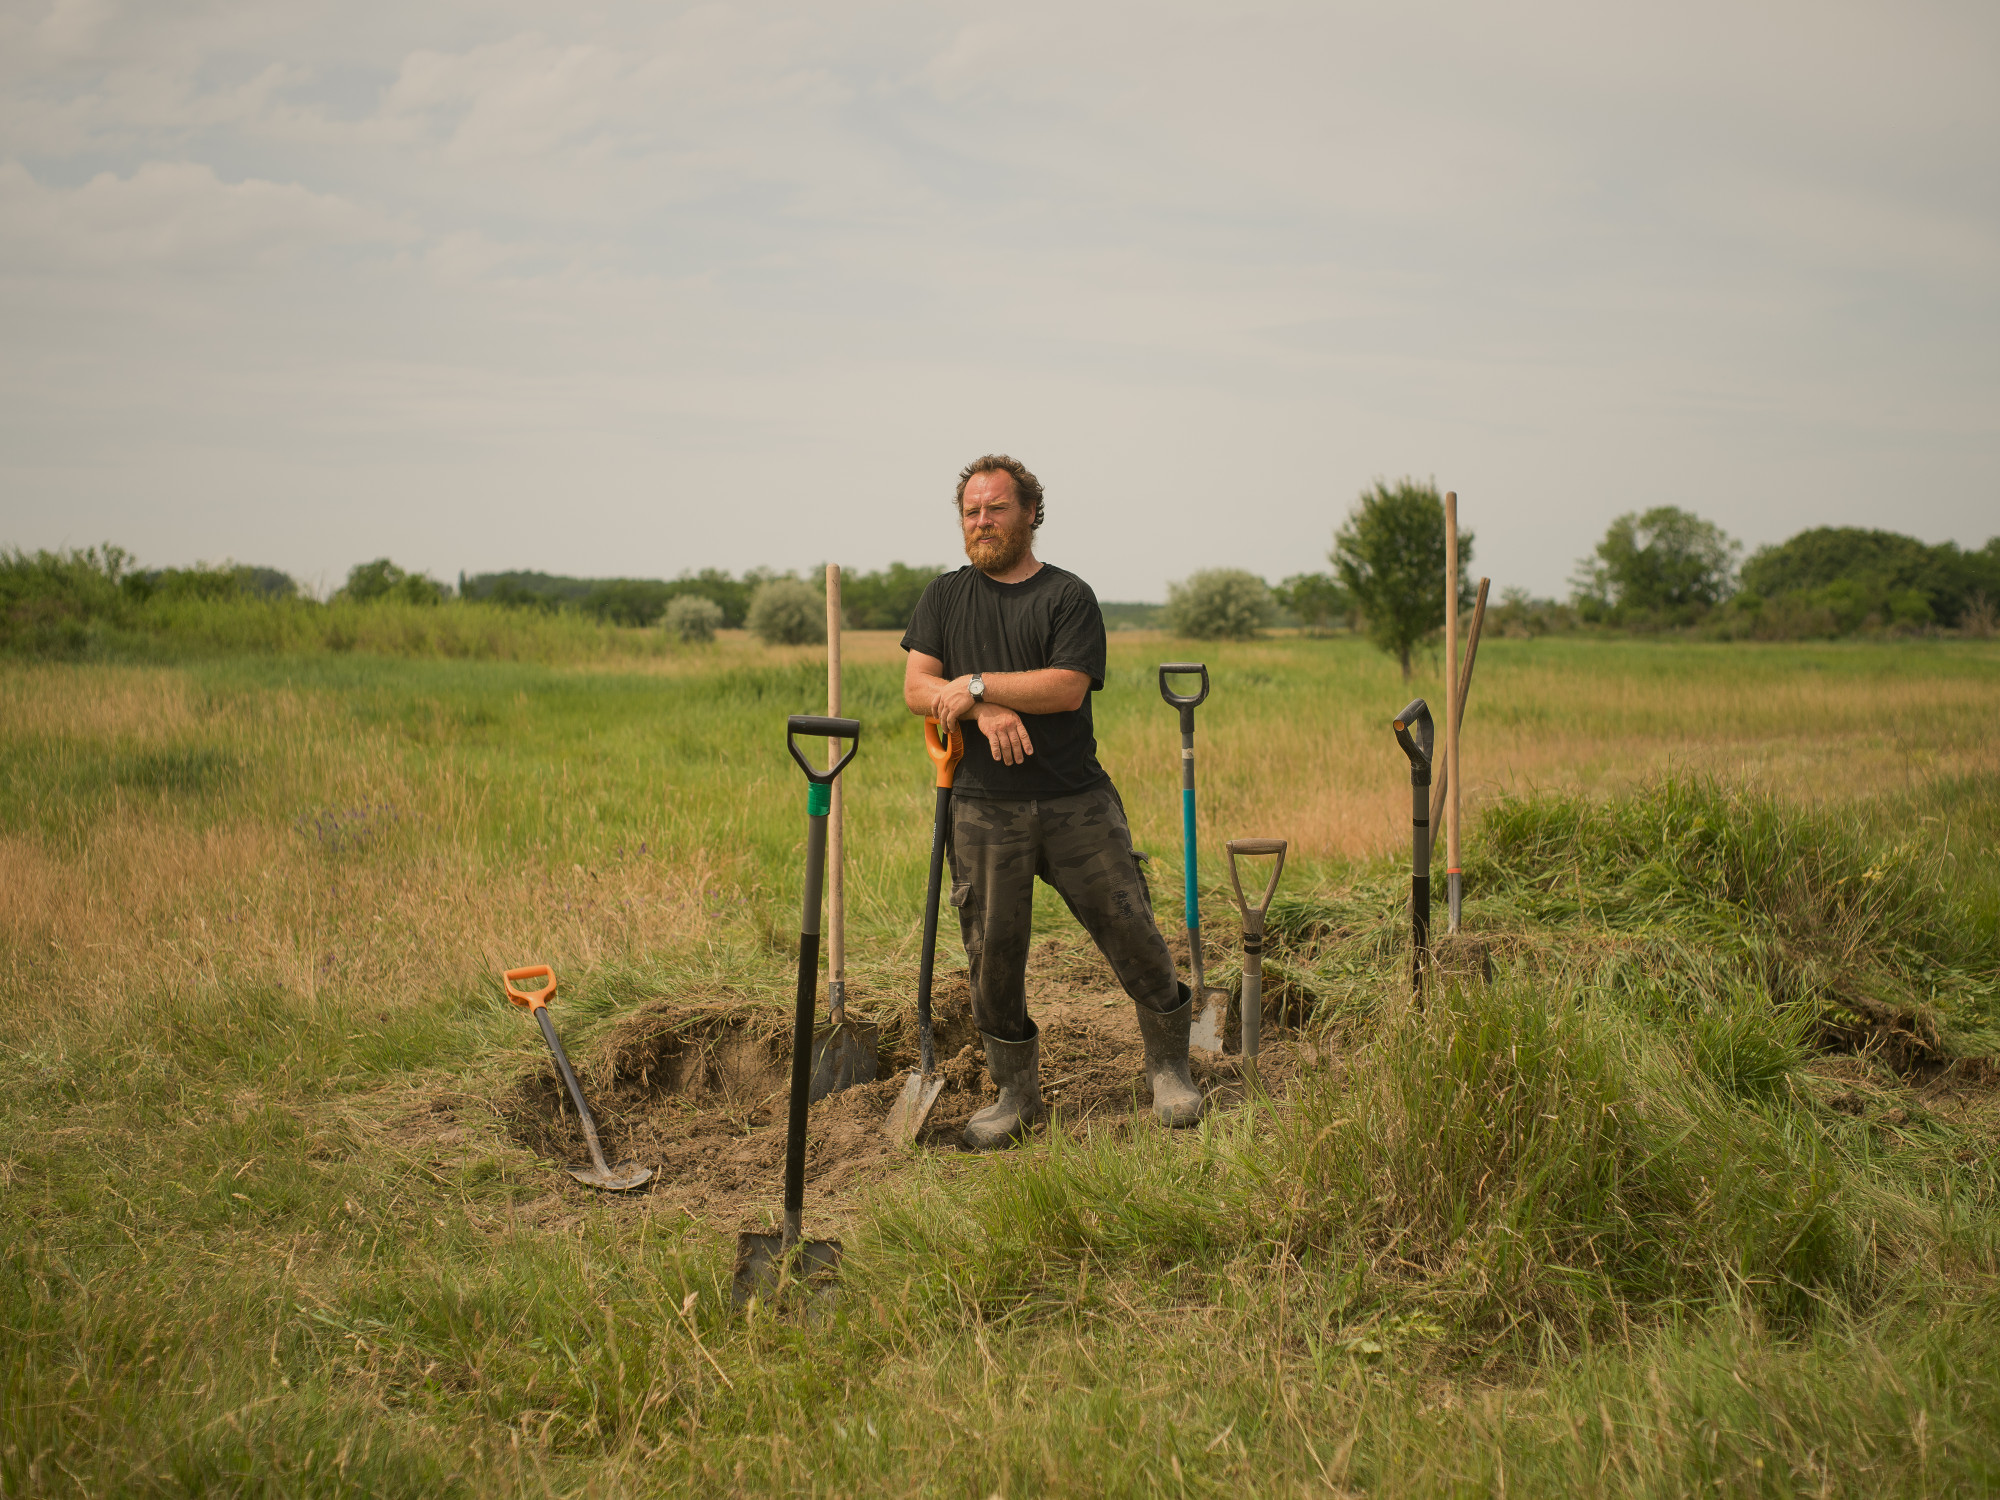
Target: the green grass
pixel 1614 1223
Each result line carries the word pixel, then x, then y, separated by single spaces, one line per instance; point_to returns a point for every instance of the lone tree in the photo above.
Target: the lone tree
pixel 1390 558
pixel 1668 564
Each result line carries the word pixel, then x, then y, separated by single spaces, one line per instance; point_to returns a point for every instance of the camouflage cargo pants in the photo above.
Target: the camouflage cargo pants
pixel 1080 845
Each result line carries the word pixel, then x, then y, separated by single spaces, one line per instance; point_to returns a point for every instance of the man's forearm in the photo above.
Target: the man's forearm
pixel 1047 690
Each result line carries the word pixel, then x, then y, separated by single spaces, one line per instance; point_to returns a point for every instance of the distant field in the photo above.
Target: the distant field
pixel 253 900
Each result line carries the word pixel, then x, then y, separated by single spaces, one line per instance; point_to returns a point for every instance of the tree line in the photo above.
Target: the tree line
pixel 1663 570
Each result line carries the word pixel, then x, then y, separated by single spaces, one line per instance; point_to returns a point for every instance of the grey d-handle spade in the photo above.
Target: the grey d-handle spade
pixel 763 1260
pixel 1211 1007
pixel 1253 941
pixel 598 1174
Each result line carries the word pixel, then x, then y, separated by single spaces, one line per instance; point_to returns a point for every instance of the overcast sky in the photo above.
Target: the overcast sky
pixel 607 289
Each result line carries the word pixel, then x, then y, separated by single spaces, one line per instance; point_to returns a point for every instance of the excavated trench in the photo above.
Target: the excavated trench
pixel 697 1090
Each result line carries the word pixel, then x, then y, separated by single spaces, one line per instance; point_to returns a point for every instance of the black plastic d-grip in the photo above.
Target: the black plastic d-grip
pixel 820 727
pixel 1182 701
pixel 1418 748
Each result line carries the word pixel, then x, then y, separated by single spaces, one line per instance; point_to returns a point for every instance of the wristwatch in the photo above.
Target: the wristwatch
pixel 977 687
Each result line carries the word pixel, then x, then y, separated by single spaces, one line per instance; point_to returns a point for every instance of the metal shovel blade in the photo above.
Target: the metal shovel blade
pixel 616 1179
pixel 762 1269
pixel 913 1106
pixel 843 1054
pixel 1211 1018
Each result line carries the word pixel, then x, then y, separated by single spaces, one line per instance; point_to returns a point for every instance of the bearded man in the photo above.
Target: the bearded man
pixel 1012 648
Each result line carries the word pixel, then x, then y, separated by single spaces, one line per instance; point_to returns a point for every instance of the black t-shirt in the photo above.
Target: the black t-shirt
pixel 972 624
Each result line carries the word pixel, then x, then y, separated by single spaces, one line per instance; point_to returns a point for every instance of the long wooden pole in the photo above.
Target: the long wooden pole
pixel 1451 872
pixel 1441 783
pixel 836 844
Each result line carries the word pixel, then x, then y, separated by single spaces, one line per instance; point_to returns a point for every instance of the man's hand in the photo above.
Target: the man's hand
pixel 1005 732
pixel 954 700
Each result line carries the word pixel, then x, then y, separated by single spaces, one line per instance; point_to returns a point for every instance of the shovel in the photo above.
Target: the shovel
pixel 1211 1007
pixel 845 1051
pixel 1253 943
pixel 597 1174
pixel 1417 745
pixel 764 1261
pixel 921 1089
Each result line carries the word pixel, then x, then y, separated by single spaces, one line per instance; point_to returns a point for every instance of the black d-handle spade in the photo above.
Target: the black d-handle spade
pixel 820 727
pixel 1417 735
pixel 761 1258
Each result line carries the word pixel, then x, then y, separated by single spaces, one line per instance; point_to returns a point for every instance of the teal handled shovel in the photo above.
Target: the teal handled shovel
pixel 1211 1007
pixel 765 1262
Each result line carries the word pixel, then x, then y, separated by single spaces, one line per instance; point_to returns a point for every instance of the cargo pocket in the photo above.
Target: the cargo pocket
pixel 1140 859
pixel 961 892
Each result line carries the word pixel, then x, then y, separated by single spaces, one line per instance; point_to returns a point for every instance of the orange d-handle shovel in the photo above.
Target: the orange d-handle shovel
pixel 921 1089
pixel 597 1174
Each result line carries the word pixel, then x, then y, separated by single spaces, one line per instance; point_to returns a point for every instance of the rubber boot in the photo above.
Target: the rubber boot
pixel 1176 1101
pixel 1017 1072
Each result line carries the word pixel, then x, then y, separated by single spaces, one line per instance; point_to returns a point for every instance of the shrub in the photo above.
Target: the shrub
pixel 1316 601
pixel 382 579
pixel 693 617
pixel 787 612
pixel 1219 604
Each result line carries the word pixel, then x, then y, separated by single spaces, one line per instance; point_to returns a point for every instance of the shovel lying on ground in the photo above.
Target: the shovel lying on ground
pixel 764 1262
pixel 1253 944
pixel 597 1174
pixel 1211 1007
pixel 921 1088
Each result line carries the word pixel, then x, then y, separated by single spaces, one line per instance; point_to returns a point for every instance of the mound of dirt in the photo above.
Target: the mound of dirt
pixel 698 1091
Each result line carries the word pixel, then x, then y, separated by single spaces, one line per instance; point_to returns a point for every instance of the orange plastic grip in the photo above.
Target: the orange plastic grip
pixel 532 999
pixel 945 754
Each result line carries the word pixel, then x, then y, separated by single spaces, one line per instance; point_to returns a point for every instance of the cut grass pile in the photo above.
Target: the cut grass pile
pixel 1618 1221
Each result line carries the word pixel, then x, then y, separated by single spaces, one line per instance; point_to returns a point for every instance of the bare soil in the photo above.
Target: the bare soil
pixel 697 1091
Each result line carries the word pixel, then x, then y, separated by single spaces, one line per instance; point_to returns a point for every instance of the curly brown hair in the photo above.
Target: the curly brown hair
pixel 1027 488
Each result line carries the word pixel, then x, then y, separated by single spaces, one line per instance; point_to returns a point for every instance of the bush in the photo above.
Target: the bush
pixel 787 612
pixel 383 580
pixel 1316 601
pixel 1219 604
pixel 693 617
pixel 51 601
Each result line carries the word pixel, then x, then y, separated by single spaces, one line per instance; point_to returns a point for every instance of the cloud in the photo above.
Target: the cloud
pixel 177 214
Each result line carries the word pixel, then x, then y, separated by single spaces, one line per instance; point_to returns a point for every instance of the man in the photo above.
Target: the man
pixel 1013 648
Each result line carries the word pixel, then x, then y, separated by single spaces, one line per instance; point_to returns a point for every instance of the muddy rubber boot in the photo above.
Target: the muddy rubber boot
pixel 1017 1072
pixel 1176 1101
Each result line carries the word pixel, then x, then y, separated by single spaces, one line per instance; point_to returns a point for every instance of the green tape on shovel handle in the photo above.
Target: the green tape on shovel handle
pixel 819 799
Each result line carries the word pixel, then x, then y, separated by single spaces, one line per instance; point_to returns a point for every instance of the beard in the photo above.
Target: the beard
pixel 999 552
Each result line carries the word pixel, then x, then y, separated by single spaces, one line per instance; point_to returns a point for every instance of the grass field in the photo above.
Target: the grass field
pixel 1698 1195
